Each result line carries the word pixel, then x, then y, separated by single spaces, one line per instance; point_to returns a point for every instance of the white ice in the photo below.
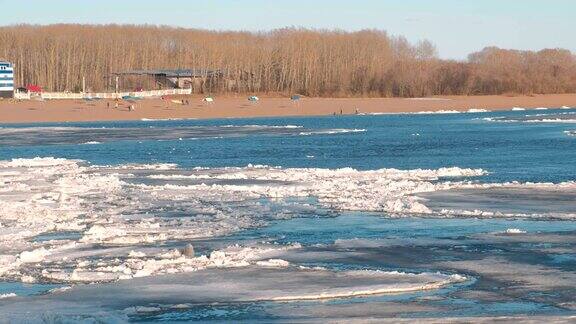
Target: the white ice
pixel 122 213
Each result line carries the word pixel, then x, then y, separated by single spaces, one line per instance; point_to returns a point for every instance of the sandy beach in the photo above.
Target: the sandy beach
pixel 237 107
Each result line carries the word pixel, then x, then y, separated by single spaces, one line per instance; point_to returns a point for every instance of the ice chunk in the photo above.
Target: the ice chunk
pixel 273 263
pixel 515 231
pixel 34 256
pixel 8 295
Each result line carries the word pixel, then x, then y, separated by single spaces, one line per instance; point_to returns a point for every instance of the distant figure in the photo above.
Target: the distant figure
pixel 116 105
pixel 187 102
pixel 341 111
pixel 357 111
pixel 334 113
pixel 108 104
pixel 131 108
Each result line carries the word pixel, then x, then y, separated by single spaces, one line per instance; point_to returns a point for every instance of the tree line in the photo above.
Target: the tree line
pixel 284 61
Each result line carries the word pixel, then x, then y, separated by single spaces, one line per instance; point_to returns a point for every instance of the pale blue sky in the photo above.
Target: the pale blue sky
pixel 457 27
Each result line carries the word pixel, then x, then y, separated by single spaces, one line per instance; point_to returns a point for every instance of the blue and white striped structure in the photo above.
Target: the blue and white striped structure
pixel 6 80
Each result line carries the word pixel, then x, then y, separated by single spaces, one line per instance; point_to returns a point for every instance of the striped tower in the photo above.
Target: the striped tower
pixel 6 80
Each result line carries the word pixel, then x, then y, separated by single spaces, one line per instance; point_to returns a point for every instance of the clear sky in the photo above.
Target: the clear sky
pixel 457 27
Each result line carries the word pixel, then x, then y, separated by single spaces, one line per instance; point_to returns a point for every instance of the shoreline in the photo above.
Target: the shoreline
pixel 239 107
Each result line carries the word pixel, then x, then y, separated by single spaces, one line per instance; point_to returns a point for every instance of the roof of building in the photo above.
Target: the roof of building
pixel 179 73
pixel 33 88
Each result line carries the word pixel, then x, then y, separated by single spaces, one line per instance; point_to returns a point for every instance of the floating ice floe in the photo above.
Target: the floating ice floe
pixel 8 295
pixel 471 110
pixel 263 126
pixel 227 285
pixel 515 231
pixel 505 200
pixel 332 131
pixel 164 119
pixel 565 117
pixel 477 110
pixel 17 136
pixel 123 213
pixel 437 112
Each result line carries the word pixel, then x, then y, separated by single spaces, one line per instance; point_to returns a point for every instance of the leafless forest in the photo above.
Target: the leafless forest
pixel 285 61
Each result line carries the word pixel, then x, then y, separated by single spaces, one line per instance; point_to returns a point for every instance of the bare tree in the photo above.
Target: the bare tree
pixel 283 61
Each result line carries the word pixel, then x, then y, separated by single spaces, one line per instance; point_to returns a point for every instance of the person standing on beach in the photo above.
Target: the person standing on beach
pixel 116 105
pixel 108 104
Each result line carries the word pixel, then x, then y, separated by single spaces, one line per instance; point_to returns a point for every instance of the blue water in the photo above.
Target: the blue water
pixel 509 151
pixel 26 289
